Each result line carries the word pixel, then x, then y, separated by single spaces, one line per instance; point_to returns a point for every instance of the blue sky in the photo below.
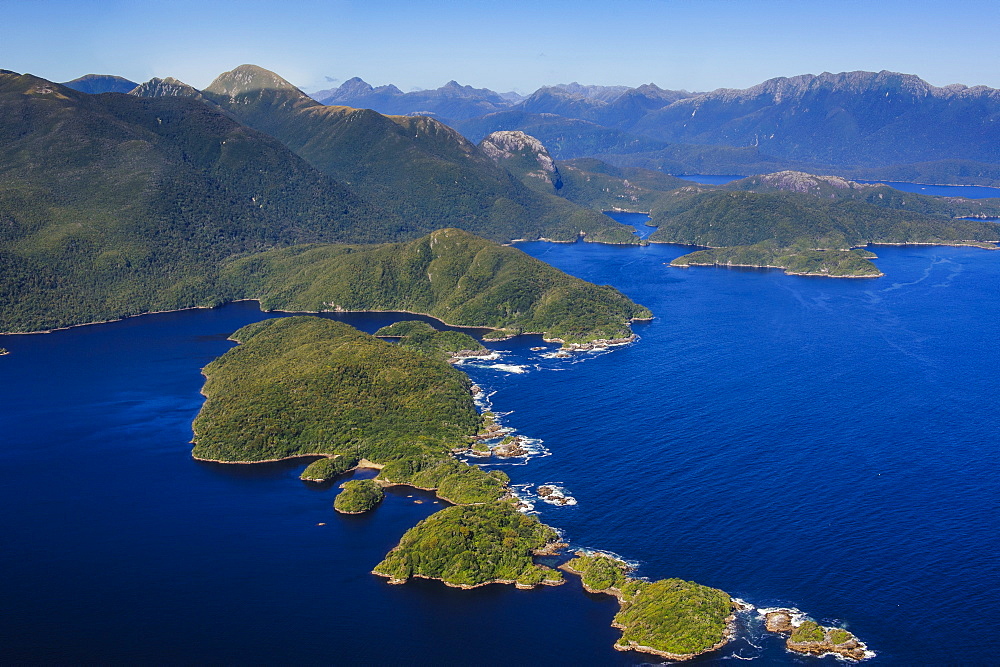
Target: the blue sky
pixel 503 45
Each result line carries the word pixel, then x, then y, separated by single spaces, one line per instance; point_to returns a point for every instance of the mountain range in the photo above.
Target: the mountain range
pixel 862 124
pixel 114 204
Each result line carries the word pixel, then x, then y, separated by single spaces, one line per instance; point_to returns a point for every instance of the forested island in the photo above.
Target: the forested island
pixel 451 274
pixel 171 198
pixel 469 546
pixel 671 618
pixel 358 496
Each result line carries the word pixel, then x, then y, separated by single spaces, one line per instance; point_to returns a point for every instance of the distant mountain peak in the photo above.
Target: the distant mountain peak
pixel 247 79
pixel 355 85
pixel 93 84
pixel 168 87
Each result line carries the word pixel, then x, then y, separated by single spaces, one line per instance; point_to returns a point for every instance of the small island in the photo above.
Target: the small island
pixel 671 618
pixel 470 546
pixel 812 638
pixel 358 496
pixel 4 351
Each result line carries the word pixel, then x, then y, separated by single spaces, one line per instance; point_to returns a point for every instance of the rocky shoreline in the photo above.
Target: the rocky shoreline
pixel 598 344
pixel 729 633
pixel 466 587
pixel 810 638
pixel 688 264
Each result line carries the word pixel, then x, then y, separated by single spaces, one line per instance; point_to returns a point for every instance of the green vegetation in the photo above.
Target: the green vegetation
pixel 140 202
pixel 327 468
pixel 809 631
pixel 584 181
pixel 450 274
pixel 137 202
pixel 422 171
pixel 472 545
pixel 307 385
pixel 422 337
pixel 881 196
pixel 670 616
pixel 673 616
pixel 455 481
pixel 839 636
pixel 599 572
pixel 357 496
pixel 797 261
pixel 811 637
pixel 810 232
pixel 598 185
pixel 718 218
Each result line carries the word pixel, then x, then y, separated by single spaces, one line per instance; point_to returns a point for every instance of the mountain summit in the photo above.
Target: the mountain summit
pixel 249 79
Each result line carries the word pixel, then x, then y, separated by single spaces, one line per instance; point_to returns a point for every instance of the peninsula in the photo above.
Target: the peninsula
pixel 308 386
pixel 450 274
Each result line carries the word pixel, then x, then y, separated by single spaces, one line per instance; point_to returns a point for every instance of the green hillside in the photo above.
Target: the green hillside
pixel 422 337
pixel 450 274
pixel 672 618
pixel 421 170
pixel 307 385
pixel 881 196
pixel 799 231
pixel 113 205
pixel 585 181
pixel 471 546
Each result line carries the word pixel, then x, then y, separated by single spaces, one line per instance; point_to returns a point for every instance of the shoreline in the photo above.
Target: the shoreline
pixel 728 636
pixel 468 587
pixel 362 464
pixel 768 266
pixel 487 329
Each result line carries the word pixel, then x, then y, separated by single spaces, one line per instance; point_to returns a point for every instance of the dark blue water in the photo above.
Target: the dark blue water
pixel 825 444
pixel 636 220
pixel 968 191
pixel 710 179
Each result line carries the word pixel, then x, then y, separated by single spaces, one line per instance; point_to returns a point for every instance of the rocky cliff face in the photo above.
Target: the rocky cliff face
pixel 522 154
pixel 169 87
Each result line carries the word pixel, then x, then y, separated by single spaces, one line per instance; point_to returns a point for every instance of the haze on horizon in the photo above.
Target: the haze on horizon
pixel 676 44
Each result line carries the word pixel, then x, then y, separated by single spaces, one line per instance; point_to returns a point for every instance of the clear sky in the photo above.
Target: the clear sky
pixel 503 44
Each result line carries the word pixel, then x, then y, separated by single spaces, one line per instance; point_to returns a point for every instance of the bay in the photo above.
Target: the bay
pixel 824 444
